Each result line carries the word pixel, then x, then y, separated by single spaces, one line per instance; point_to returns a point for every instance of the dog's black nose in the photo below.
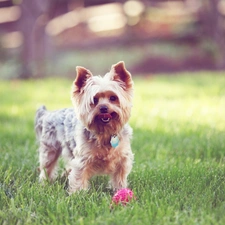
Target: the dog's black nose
pixel 103 109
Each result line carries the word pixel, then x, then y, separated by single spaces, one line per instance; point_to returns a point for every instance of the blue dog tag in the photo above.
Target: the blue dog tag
pixel 114 141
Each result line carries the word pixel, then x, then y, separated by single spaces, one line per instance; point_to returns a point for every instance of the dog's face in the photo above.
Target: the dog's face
pixel 103 104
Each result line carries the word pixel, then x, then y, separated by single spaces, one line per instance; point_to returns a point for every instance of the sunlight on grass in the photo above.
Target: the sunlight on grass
pixel 193 100
pixel 180 116
pixel 178 141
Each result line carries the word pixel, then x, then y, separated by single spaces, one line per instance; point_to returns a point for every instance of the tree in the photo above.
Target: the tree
pixel 31 24
pixel 213 28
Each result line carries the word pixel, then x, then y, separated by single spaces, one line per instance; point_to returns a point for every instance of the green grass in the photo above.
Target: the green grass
pixel 179 144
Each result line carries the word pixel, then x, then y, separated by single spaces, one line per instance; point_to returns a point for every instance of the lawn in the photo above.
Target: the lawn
pixel 179 143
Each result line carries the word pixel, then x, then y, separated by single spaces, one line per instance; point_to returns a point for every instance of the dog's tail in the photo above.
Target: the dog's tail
pixel 38 120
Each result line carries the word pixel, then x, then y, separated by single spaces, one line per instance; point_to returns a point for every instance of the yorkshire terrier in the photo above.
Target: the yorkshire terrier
pixel 93 137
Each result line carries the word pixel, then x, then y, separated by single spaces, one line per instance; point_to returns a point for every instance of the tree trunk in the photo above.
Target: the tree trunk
pixel 32 25
pixel 216 31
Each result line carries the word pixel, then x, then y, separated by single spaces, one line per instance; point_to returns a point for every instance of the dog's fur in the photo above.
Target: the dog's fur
pixel 102 107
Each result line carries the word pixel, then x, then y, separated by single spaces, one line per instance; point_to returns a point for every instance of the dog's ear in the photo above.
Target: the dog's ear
pixel 82 76
pixel 121 74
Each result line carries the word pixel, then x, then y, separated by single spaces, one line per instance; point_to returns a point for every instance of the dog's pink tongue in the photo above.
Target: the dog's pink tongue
pixel 104 116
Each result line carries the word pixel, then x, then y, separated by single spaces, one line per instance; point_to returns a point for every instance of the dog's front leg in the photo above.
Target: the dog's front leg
pixel 122 169
pixel 118 181
pixel 78 178
pixel 119 178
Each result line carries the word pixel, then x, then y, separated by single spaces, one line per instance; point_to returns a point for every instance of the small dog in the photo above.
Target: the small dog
pixel 93 137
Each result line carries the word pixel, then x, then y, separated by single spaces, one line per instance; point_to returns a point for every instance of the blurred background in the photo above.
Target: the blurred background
pixel 40 38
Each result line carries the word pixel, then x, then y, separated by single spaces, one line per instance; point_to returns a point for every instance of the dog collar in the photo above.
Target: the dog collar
pixel 114 141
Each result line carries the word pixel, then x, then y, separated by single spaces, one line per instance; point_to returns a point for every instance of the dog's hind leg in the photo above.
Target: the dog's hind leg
pixel 48 158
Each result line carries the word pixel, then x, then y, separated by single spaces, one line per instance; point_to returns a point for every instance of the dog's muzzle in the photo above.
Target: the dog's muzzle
pixel 105 117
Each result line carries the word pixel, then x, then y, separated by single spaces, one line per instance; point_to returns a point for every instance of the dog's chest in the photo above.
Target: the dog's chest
pixel 105 161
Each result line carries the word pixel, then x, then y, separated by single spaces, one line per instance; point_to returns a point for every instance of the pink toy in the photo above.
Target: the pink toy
pixel 123 196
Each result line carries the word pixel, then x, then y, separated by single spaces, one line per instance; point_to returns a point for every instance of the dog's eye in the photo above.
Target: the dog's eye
pixel 113 98
pixel 95 101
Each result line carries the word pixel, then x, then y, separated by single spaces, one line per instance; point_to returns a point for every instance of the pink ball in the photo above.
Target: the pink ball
pixel 123 196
